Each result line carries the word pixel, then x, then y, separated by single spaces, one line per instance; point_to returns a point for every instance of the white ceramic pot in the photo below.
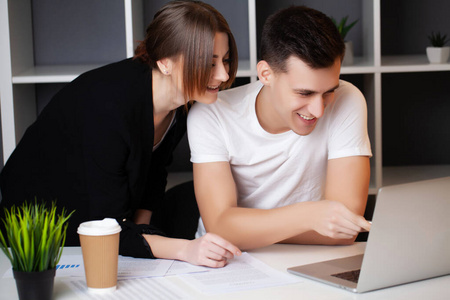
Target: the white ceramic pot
pixel 348 57
pixel 438 55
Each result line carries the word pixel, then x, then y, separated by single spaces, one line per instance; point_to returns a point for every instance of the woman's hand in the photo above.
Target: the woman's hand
pixel 209 250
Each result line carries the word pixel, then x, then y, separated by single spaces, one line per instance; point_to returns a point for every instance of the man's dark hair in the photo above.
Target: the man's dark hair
pixel 302 32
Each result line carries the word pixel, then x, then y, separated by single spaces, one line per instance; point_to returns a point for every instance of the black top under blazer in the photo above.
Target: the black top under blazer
pixel 91 150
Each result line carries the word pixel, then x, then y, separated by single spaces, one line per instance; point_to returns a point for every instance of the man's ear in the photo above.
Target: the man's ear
pixel 165 65
pixel 265 73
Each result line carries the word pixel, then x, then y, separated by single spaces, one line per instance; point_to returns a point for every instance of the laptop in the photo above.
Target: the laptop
pixel 409 241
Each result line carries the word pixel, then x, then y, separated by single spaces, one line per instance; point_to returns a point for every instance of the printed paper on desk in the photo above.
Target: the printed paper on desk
pixel 242 273
pixel 142 267
pixel 182 267
pixel 128 267
pixel 72 265
pixel 135 288
pixel 68 265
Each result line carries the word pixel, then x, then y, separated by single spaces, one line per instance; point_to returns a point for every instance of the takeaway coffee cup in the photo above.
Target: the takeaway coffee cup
pixel 100 246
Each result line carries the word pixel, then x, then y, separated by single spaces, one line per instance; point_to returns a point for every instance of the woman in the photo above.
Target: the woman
pixel 102 143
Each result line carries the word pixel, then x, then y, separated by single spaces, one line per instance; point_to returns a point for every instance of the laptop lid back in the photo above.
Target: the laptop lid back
pixel 410 235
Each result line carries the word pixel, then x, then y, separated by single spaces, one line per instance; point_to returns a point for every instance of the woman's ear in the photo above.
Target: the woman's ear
pixel 265 73
pixel 165 66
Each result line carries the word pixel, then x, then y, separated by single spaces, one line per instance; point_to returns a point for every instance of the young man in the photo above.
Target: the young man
pixel 265 153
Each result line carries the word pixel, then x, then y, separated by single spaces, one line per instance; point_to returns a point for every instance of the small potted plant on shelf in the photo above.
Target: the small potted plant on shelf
pixel 343 29
pixel 36 237
pixel 438 54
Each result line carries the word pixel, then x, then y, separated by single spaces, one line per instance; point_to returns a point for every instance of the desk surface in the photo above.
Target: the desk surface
pixel 279 257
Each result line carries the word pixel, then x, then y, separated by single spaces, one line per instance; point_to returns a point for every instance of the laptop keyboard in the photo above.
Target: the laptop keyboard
pixel 352 276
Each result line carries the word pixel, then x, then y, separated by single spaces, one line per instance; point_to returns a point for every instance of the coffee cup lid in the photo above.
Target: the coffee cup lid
pixel 106 226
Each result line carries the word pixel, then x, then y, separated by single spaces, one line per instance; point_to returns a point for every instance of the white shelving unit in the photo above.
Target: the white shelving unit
pixel 19 74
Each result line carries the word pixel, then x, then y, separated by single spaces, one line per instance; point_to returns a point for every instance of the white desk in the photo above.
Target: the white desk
pixel 279 257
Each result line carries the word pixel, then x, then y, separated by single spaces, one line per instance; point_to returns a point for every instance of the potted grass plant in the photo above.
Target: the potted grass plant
pixel 35 235
pixel 343 29
pixel 438 53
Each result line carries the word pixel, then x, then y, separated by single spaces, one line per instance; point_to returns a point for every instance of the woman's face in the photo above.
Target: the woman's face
pixel 219 72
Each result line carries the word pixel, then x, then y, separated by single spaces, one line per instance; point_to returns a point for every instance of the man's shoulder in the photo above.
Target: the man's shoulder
pixel 348 95
pixel 230 100
pixel 240 92
pixel 347 89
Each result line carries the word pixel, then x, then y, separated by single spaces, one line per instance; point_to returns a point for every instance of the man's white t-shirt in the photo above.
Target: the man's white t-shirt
pixel 274 170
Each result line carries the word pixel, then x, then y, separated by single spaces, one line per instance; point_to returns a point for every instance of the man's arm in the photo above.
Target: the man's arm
pixel 348 183
pixel 250 228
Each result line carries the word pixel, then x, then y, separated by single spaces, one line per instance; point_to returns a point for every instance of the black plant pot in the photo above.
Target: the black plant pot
pixel 35 285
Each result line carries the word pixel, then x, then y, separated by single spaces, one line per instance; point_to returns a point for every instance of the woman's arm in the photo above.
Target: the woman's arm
pixel 210 250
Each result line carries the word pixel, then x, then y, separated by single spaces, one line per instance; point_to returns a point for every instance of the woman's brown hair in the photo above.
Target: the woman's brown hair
pixel 186 30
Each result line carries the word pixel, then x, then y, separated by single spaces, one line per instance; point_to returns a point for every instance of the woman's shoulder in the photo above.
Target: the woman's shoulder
pixel 119 82
pixel 127 69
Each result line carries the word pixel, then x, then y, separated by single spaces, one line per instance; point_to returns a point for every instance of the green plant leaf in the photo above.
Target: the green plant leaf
pixel 342 27
pixel 36 236
pixel 4 246
pixel 438 40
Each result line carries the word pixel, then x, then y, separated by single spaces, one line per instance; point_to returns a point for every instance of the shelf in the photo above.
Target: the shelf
pixel 67 73
pixel 52 74
pixel 405 174
pixel 410 63
pixel 394 64
pixel 361 65
pixel 37 35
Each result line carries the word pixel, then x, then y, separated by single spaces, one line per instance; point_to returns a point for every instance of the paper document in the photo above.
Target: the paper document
pixel 135 288
pixel 72 265
pixel 142 267
pixel 181 267
pixel 242 273
pixel 137 277
pixel 68 265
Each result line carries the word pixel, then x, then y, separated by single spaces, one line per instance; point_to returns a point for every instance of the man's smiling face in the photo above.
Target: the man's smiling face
pixel 299 96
